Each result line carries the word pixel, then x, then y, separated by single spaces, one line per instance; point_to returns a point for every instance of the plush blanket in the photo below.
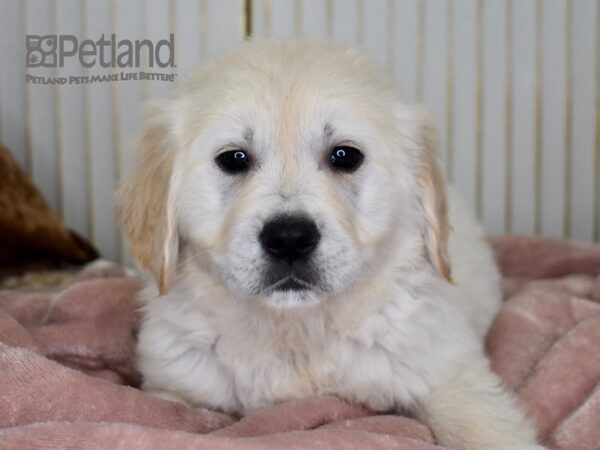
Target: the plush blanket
pixel 67 378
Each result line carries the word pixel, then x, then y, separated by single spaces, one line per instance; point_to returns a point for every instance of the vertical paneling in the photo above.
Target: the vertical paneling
pixel 42 106
pixel 314 19
pixel 554 117
pixel 406 49
pixel 261 17
pixel 159 18
pixel 494 115
pixel 101 142
pixel 435 66
pixel 375 30
pixel 224 25
pixel 128 94
pixel 512 85
pixel 465 114
pixel 345 19
pixel 584 54
pixel 277 18
pixel 13 121
pixel 74 163
pixel 523 115
pixel 189 34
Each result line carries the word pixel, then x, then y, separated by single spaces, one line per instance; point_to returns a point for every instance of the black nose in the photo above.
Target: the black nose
pixel 289 238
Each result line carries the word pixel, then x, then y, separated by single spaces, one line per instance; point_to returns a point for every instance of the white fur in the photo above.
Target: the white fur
pixel 385 329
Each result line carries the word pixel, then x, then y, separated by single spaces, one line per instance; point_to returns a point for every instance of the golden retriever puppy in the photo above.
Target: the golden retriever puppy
pixel 290 208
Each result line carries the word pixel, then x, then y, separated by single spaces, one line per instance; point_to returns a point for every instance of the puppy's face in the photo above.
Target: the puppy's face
pixel 289 173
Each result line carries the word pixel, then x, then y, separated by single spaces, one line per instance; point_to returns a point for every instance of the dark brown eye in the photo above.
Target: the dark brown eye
pixel 234 162
pixel 346 159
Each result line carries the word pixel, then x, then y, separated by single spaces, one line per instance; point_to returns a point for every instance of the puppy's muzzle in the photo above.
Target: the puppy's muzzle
pixel 290 238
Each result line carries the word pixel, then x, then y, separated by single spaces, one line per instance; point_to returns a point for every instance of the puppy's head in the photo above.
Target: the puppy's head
pixel 288 172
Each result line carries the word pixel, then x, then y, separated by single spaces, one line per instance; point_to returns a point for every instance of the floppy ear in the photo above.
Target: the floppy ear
pixel 146 207
pixel 432 193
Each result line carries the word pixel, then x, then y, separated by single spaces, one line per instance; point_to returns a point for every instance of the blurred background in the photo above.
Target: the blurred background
pixel 514 86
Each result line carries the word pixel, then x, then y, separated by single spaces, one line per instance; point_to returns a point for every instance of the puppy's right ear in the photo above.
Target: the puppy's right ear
pixel 146 204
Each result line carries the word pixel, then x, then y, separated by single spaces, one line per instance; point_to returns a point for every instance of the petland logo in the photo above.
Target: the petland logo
pixel 51 51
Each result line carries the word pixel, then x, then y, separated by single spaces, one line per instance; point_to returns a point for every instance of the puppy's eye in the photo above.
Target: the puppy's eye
pixel 346 159
pixel 233 161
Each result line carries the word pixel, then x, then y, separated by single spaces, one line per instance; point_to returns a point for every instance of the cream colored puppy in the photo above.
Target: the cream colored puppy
pixel 289 205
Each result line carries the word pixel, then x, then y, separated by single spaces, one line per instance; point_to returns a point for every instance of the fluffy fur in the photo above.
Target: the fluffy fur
pixel 395 318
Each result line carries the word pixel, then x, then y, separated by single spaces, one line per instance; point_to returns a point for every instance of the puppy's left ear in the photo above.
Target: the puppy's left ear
pixel 423 138
pixel 146 203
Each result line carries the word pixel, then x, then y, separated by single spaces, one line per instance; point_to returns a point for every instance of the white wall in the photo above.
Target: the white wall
pixel 514 85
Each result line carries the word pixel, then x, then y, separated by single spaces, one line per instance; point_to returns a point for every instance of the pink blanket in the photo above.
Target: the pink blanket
pixel 67 378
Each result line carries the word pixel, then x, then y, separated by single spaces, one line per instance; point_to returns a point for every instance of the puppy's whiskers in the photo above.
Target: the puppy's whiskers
pixel 190 258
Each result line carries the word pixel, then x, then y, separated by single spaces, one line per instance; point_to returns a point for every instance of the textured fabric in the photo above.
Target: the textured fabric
pixel 68 378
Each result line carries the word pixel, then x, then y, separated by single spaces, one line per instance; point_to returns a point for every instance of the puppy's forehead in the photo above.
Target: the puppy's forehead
pixel 279 70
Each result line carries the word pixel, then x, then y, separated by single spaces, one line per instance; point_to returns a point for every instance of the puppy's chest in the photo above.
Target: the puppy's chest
pixel 282 364
pixel 291 363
